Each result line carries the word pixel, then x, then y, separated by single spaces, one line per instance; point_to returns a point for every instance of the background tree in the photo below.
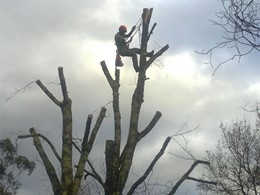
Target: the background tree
pixel 235 164
pixel 12 166
pixel 240 21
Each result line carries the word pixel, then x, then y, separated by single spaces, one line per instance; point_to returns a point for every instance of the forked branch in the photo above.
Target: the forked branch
pixel 186 176
pixel 47 141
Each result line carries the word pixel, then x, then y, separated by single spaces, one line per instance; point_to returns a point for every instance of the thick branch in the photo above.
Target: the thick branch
pixel 47 164
pixel 117 76
pixel 155 119
pixel 107 74
pixel 150 168
pixel 86 148
pixel 94 173
pixel 87 129
pixel 83 156
pixel 97 126
pixel 114 84
pixel 45 139
pixel 151 32
pixel 186 175
pixel 157 54
pixel 48 93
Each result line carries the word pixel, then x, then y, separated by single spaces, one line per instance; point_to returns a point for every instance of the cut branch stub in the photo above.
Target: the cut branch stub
pixel 151 32
pixel 88 125
pixel 146 17
pixel 63 83
pixel 114 84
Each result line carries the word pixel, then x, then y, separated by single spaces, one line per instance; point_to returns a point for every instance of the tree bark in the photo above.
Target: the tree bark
pixel 118 165
pixel 56 186
pixel 68 184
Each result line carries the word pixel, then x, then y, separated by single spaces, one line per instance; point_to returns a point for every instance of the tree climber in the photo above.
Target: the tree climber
pixel 123 45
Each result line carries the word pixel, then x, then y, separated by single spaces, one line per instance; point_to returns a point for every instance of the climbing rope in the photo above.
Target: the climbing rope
pixel 137 29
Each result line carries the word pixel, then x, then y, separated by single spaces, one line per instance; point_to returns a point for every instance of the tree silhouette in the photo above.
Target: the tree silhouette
pixel 235 163
pixel 240 21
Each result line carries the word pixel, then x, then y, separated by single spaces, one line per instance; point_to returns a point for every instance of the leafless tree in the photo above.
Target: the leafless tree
pixel 118 158
pixel 235 164
pixel 240 21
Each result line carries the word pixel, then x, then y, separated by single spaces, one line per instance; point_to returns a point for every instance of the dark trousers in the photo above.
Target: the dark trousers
pixel 131 53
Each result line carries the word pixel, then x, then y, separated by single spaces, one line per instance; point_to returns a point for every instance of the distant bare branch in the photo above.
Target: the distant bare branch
pixel 21 90
pixel 202 181
pixel 240 21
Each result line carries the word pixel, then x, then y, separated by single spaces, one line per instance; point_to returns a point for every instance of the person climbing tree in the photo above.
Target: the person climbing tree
pixel 123 47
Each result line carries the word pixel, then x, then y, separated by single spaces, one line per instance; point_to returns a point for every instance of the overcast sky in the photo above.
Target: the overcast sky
pixel 39 36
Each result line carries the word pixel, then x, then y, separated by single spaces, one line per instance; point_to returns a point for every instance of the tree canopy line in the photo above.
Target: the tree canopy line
pixel 233 168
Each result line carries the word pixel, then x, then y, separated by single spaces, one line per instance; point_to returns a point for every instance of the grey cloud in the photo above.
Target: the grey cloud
pixel 39 36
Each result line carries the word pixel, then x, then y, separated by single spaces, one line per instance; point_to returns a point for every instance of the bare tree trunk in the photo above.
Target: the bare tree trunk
pixel 68 184
pixel 118 165
pixel 66 158
pixel 66 162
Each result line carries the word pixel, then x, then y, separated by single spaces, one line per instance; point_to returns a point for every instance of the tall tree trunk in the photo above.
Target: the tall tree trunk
pixel 118 165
